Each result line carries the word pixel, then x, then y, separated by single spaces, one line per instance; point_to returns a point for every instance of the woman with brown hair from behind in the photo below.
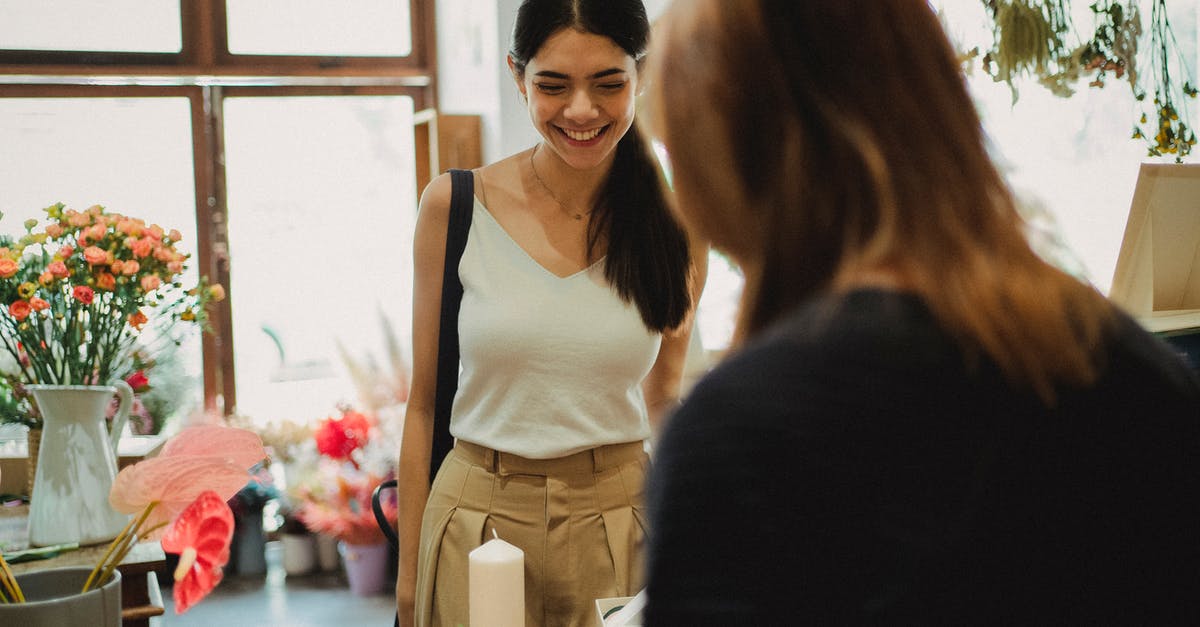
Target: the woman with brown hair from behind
pixel 923 420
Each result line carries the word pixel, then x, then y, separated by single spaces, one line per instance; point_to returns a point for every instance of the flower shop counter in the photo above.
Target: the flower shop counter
pixel 141 598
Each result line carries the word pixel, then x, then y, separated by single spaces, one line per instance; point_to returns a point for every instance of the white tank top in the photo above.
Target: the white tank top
pixel 550 365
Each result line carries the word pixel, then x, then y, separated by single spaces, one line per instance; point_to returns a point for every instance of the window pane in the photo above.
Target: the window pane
pixel 322 203
pixel 348 28
pixel 132 156
pixel 109 26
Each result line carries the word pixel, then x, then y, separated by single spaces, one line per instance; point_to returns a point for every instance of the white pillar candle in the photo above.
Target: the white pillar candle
pixel 496 585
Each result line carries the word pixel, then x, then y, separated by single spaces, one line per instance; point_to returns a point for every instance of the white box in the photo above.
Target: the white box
pixel 1157 277
pixel 607 611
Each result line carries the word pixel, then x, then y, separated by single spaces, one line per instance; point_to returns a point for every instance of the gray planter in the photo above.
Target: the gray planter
pixel 53 600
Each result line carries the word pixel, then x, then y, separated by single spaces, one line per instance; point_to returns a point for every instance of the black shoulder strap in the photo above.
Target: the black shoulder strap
pixel 462 201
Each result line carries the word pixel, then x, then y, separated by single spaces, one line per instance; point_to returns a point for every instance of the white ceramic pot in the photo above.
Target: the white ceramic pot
pixel 77 462
pixel 299 553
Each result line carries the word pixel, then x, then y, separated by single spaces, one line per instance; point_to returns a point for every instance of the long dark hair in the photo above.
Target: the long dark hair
pixel 648 262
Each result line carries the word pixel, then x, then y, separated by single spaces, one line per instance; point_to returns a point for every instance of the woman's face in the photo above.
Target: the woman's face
pixel 580 91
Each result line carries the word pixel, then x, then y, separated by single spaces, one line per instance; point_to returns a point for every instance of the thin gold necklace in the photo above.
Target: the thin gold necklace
pixel 574 214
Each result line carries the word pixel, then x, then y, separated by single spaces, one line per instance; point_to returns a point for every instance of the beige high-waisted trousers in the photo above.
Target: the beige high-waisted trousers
pixel 579 519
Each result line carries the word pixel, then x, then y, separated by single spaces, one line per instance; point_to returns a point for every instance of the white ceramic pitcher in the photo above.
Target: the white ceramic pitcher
pixel 77 463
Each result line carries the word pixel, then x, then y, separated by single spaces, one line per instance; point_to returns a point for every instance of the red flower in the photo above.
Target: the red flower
pixel 20 310
pixel 338 438
pixel 138 381
pixel 83 294
pixel 200 536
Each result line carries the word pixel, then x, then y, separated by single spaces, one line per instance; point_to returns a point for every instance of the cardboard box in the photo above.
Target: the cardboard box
pixel 1157 278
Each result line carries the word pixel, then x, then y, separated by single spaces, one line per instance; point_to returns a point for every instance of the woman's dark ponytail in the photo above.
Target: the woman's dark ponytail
pixel 648 260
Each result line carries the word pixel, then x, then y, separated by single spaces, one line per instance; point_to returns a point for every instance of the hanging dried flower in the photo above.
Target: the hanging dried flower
pixel 1172 136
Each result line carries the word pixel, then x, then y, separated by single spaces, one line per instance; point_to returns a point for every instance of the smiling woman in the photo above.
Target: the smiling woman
pixel 565 392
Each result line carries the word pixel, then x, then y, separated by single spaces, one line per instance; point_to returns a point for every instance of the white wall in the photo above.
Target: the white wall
pixel 473 40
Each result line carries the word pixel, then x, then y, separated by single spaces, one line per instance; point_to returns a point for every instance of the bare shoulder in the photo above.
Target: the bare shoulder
pixel 498 184
pixel 435 199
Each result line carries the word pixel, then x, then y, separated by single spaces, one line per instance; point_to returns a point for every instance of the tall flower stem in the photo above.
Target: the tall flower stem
pixel 11 591
pixel 118 548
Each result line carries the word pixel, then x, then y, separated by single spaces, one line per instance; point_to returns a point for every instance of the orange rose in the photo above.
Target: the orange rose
pixel 58 269
pixel 130 268
pixel 20 310
pixel 143 247
pixel 97 231
pixel 137 319
pixel 54 230
pixel 95 255
pixel 75 218
pixel 116 265
pixel 150 282
pixel 174 235
pixel 129 227
pixel 216 292
pixel 8 267
pixel 106 281
pixel 45 278
pixel 83 294
pixel 38 304
pixel 66 251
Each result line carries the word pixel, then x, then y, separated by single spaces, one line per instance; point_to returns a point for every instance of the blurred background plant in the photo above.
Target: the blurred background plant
pixel 16 405
pixel 357 452
pixel 379 387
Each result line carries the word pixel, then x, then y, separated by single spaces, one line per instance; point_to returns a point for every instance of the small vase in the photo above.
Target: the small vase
pixel 366 567
pixel 249 544
pixel 33 443
pixel 327 552
pixel 299 553
pixel 77 462
pixel 53 599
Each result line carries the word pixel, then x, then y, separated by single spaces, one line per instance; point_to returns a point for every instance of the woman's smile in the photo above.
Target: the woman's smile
pixel 583 138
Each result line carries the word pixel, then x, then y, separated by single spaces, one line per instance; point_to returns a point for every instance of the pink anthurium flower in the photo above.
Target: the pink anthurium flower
pixel 198 459
pixel 200 536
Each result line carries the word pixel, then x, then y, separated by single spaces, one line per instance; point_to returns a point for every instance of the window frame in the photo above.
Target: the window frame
pixel 205 44
pixel 206 73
